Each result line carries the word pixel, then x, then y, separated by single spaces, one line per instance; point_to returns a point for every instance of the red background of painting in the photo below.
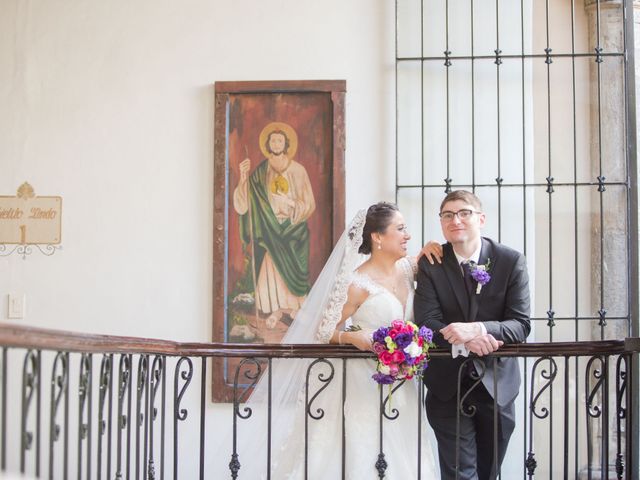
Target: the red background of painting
pixel 310 115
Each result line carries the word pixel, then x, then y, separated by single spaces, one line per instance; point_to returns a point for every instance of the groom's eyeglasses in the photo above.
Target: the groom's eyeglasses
pixel 463 214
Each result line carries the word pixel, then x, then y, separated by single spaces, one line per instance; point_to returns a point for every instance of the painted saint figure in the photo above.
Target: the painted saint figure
pixel 274 203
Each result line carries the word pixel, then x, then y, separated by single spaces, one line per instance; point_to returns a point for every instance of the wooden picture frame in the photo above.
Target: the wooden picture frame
pixel 275 224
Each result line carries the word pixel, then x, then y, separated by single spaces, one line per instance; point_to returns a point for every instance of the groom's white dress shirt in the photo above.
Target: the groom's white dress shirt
pixel 459 348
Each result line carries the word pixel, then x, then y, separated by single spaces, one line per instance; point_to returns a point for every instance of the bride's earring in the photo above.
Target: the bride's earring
pixel 379 245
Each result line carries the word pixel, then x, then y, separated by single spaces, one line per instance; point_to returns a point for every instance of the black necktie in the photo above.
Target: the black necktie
pixel 468 279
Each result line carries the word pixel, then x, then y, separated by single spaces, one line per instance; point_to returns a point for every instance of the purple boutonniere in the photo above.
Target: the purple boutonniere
pixel 480 273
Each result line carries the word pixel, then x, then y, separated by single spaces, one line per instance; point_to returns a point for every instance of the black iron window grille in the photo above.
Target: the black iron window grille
pixel 531 105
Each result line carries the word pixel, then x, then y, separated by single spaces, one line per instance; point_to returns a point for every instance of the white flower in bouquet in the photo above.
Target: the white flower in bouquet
pixel 413 349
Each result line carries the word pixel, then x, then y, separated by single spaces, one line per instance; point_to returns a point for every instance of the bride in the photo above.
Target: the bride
pixel 326 417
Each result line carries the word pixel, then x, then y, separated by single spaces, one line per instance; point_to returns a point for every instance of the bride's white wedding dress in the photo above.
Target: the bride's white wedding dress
pixel 326 441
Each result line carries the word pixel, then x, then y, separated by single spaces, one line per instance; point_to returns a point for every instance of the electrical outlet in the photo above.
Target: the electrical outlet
pixel 16 305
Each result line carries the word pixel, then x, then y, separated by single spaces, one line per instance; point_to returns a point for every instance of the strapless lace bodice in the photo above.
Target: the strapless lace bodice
pixel 381 307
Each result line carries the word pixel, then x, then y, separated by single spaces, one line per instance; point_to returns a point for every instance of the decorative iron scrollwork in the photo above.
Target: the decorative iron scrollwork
pixel 30 385
pixel 593 410
pixel 106 370
pixel 621 410
pixel 157 374
pixel 253 377
pixel 252 371
pixel 104 389
pixel 83 391
pixel 59 382
pixel 180 414
pixel 143 378
pixel 476 376
pixel 394 413
pixel 186 375
pixel 549 376
pixel 124 381
pixel 324 379
pixel 124 385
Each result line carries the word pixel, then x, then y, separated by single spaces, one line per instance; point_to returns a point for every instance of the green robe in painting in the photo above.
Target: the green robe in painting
pixel 287 244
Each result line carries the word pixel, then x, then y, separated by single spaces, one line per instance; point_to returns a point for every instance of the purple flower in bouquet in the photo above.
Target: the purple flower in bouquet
pixel 380 334
pixel 411 360
pixel 403 339
pixel 383 379
pixel 426 334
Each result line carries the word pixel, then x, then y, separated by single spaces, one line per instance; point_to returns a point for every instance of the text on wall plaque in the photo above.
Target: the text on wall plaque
pixel 27 219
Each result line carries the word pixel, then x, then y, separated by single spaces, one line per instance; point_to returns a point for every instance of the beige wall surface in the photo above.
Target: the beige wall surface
pixel 110 106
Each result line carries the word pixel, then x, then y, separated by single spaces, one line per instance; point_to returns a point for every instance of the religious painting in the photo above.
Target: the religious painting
pixel 278 206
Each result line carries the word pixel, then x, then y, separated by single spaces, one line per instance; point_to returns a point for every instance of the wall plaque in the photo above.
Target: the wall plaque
pixel 27 219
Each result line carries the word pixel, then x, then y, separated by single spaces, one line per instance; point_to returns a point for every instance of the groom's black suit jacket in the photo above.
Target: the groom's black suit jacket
pixel 502 305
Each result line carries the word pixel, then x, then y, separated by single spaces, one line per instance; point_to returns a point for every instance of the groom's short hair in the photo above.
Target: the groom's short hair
pixel 463 195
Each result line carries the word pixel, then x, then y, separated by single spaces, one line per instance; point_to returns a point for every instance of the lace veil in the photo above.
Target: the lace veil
pixel 315 323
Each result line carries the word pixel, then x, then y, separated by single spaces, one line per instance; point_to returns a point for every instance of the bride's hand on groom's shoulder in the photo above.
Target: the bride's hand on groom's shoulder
pixel 432 251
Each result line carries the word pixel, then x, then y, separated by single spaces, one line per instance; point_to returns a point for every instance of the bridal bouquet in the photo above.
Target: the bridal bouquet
pixel 402 351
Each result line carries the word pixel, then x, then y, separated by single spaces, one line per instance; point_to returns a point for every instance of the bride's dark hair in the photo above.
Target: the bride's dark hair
pixel 378 219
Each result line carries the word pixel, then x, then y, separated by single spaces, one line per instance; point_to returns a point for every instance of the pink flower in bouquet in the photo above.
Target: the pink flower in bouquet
pixel 397 357
pixel 397 324
pixel 385 357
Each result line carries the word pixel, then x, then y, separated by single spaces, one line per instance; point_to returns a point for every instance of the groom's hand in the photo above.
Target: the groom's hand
pixel 483 344
pixel 459 332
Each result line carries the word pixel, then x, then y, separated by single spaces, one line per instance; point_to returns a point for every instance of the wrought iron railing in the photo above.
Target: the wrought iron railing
pixel 51 390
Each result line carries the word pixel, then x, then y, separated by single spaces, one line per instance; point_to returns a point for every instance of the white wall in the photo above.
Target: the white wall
pixel 110 105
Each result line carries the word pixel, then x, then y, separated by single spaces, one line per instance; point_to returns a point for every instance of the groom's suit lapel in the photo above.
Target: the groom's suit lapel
pixel 454 274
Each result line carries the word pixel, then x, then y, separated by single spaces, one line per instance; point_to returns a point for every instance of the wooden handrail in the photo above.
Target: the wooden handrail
pixel 19 336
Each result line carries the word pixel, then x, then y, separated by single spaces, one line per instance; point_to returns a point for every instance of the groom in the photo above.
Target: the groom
pixel 472 312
